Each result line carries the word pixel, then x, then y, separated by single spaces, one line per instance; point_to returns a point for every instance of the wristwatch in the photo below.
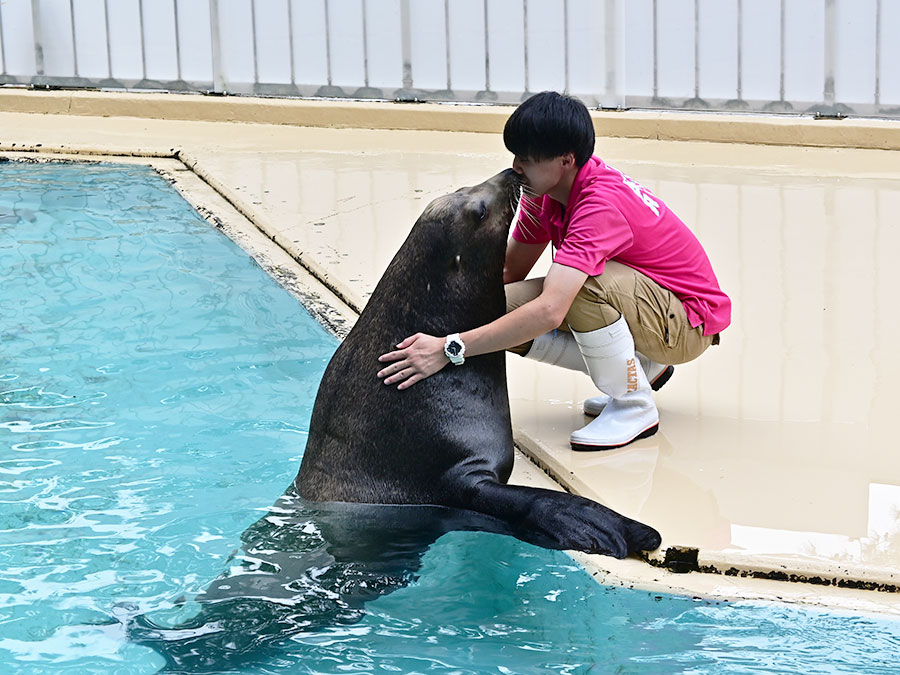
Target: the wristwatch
pixel 455 349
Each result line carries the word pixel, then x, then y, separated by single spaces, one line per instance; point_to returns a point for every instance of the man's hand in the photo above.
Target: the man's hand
pixel 417 357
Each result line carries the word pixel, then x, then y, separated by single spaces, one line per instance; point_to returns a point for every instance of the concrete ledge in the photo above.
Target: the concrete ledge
pixel 682 557
pixel 682 126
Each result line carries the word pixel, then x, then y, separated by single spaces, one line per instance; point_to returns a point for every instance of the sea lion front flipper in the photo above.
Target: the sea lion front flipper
pixel 563 521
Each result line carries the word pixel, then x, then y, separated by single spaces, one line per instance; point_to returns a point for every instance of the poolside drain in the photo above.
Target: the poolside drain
pixel 681 560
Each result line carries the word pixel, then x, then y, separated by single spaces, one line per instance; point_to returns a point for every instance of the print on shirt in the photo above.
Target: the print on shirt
pixel 642 193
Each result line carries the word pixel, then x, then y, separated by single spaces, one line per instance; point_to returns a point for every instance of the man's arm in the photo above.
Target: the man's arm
pixel 420 355
pixel 520 258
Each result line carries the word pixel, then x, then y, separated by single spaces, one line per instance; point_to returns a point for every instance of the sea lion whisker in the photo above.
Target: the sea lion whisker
pixel 525 227
pixel 528 199
pixel 533 218
pixel 527 204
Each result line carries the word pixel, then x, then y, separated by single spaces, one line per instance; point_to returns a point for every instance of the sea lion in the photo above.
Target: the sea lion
pixel 447 441
pixel 387 472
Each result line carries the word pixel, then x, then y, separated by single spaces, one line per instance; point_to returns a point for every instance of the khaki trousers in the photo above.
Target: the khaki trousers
pixel 655 316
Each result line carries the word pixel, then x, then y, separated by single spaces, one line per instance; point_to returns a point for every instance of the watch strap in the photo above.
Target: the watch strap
pixel 455 349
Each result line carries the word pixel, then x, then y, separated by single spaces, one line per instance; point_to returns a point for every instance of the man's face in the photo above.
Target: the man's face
pixel 541 176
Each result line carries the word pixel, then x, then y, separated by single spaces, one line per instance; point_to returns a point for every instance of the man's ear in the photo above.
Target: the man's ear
pixel 568 160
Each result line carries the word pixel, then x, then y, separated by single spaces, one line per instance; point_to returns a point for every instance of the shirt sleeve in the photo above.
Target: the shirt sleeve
pixel 531 227
pixel 597 232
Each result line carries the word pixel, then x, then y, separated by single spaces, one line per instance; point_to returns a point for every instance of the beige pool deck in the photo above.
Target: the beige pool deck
pixel 777 455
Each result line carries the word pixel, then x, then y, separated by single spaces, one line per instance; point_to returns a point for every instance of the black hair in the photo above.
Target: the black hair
pixel 549 125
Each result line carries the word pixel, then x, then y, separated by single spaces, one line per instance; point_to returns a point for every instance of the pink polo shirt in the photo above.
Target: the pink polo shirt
pixel 611 217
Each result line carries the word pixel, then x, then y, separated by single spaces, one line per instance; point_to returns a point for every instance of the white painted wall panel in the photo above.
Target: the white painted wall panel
pixel 718 49
pixel 18 38
pixel 587 47
pixel 273 40
pixel 90 39
pixel 310 58
pixel 855 57
pixel 159 40
pixel 467 44
pixel 236 34
pixel 546 45
pixel 56 34
pixel 761 51
pixel 889 80
pixel 804 69
pixel 429 44
pixel 639 48
pixel 675 42
pixel 385 44
pixel 125 39
pixel 347 58
pixel 506 40
pixel 195 40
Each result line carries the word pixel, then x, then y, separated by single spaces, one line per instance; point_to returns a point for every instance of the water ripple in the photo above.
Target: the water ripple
pixel 19 466
pixel 100 444
pixel 27 427
pixel 37 398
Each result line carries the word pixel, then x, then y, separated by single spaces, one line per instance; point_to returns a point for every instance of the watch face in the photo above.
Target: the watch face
pixel 454 348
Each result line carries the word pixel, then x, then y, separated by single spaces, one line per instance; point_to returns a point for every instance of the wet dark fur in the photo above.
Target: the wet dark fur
pixel 386 472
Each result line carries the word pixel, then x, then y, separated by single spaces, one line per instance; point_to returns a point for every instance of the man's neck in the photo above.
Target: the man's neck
pixel 563 189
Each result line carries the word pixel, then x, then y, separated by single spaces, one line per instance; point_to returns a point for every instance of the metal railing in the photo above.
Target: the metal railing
pixel 822 56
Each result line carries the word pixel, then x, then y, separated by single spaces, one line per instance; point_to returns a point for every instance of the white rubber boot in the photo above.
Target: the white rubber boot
pixel 657 374
pixel 615 369
pixel 557 348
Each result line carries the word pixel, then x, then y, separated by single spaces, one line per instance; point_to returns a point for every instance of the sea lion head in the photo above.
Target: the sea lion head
pixel 468 229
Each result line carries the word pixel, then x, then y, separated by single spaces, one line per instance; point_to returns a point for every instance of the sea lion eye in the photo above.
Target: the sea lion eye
pixel 483 213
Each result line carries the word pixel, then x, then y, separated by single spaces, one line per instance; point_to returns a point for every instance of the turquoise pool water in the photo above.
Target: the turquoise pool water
pixel 155 391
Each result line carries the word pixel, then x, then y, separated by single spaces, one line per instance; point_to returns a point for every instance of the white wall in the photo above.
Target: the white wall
pixel 703 54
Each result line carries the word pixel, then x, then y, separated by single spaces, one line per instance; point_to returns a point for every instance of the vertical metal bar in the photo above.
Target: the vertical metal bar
pixel 365 28
pixel 621 61
pixel 486 94
pixel 38 38
pixel 290 13
pixel 255 42
pixel 143 40
pixel 2 45
pixel 740 50
pixel 611 50
pixel 177 40
pixel 566 44
pixel 447 41
pixel 655 54
pixel 696 49
pixel 830 49
pixel 328 42
pixel 215 40
pixel 487 50
pixel 108 39
pixel 878 52
pixel 406 45
pixel 781 42
pixel 74 42
pixel 525 40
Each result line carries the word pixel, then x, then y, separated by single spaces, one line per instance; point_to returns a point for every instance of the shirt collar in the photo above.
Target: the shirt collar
pixel 578 184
